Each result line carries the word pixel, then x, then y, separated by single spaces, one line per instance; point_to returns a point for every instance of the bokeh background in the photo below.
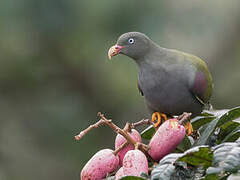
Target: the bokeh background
pixel 55 75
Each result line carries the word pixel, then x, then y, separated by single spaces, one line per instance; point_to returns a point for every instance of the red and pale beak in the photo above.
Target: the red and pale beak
pixel 114 50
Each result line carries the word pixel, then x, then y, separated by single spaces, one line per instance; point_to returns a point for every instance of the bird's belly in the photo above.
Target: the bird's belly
pixel 170 97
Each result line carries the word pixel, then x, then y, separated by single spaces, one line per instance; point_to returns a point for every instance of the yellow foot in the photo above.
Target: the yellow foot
pixel 156 118
pixel 189 128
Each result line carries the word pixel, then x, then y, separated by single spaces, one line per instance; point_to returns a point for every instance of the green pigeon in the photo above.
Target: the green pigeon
pixel 171 81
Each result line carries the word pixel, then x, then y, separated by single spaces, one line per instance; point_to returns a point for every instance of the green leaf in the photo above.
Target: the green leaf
pixel 226 158
pixel 215 177
pixel 163 172
pixel 229 115
pixel 207 132
pixel 228 132
pixel 132 178
pixel 210 177
pixel 184 145
pixel 216 113
pixel 223 117
pixel 233 136
pixel 184 172
pixel 199 121
pixel 198 156
pixel 207 113
pixel 165 169
pixel 148 132
pixel 170 158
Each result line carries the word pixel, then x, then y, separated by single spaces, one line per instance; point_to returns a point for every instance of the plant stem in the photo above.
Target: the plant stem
pixel 117 129
pixel 142 122
pixel 120 148
pixel 183 118
pixel 85 131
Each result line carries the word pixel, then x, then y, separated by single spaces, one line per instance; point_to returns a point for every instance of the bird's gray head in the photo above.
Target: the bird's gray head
pixel 132 44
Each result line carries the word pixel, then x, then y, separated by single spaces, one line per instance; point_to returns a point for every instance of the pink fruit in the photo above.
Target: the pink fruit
pixel 135 163
pixel 103 162
pixel 119 174
pixel 168 136
pixel 120 140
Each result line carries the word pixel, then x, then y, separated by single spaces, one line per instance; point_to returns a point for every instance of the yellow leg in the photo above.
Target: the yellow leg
pixel 164 116
pixel 189 128
pixel 158 119
pixel 156 116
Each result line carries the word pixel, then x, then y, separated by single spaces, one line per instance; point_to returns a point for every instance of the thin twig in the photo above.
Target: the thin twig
pixel 183 118
pixel 117 129
pixel 85 131
pixel 143 147
pixel 124 132
pixel 128 128
pixel 142 122
pixel 121 147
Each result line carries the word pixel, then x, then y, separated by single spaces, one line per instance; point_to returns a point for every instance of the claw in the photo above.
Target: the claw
pixel 189 128
pixel 164 116
pixel 156 116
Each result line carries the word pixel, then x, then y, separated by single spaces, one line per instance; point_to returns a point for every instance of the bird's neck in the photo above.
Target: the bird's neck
pixel 154 58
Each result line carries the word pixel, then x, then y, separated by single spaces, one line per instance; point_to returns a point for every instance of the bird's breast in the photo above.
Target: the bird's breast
pixel 166 92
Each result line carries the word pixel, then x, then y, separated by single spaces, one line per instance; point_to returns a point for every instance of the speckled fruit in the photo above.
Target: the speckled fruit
pixel 119 174
pixel 120 140
pixel 168 136
pixel 135 163
pixel 103 162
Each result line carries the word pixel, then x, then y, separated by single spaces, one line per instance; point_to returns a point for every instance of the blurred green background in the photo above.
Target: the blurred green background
pixel 55 75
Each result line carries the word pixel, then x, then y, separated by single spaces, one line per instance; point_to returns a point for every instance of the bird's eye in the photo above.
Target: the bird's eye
pixel 131 40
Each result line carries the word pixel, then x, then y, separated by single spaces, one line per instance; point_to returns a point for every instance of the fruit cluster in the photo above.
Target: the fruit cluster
pixel 129 159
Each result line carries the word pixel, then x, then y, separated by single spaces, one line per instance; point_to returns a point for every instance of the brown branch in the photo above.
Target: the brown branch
pixel 142 122
pixel 143 147
pixel 117 129
pixel 120 148
pixel 93 126
pixel 183 118
pixel 128 128
pixel 102 121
